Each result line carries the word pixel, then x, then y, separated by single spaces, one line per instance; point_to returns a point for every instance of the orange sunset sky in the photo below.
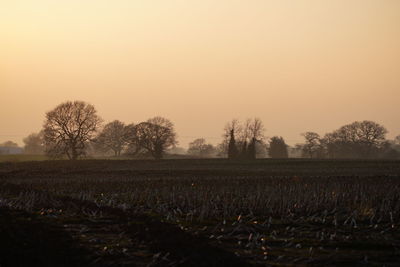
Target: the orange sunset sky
pixel 299 65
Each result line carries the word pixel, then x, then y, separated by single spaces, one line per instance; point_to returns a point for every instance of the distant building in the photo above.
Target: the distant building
pixel 10 150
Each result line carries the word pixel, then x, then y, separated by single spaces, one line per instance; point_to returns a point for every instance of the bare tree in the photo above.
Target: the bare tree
pixel 114 136
pixel 255 135
pixel 156 135
pixel 69 127
pixel 34 144
pixel 312 144
pixel 242 140
pixel 356 140
pixel 232 126
pixel 371 132
pixel 133 147
pixel 244 133
pixel 199 147
pixel 256 129
pixel 252 132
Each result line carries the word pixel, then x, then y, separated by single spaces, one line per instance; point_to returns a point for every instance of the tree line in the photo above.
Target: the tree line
pixel 74 129
pixel 360 139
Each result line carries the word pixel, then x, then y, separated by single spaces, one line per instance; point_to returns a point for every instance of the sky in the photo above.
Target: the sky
pixel 304 65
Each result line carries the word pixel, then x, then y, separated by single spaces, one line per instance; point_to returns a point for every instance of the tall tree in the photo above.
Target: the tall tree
pixel 360 139
pixel 242 139
pixel 312 144
pixel 114 136
pixel 68 128
pixel 231 130
pixel 156 135
pixel 232 149
pixel 277 148
pixel 256 129
pixel 256 135
pixel 133 147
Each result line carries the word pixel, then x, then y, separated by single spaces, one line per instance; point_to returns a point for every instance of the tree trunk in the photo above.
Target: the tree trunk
pixel 158 152
pixel 74 152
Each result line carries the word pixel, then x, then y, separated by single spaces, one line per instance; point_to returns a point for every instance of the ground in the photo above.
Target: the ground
pixel 200 213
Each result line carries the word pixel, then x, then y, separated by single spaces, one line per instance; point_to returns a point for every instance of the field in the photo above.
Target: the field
pixel 210 212
pixel 22 157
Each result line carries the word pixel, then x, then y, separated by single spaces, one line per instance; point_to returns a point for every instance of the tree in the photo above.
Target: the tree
pixel 241 140
pixel 371 136
pixel 199 147
pixel 133 146
pixel 155 135
pixel 34 144
pixel 68 128
pixel 277 148
pixel 9 144
pixel 363 139
pixel 255 135
pixel 312 144
pixel 232 149
pixel 229 146
pixel 256 130
pixel 114 136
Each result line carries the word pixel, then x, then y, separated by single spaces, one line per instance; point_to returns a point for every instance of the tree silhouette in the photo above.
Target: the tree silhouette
pixel 114 136
pixel 277 148
pixel 363 139
pixel 156 135
pixel 312 145
pixel 242 139
pixel 69 127
pixel 232 149
pixel 230 131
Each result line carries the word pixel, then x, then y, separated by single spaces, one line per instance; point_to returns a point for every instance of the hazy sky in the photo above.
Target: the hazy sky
pixel 299 65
